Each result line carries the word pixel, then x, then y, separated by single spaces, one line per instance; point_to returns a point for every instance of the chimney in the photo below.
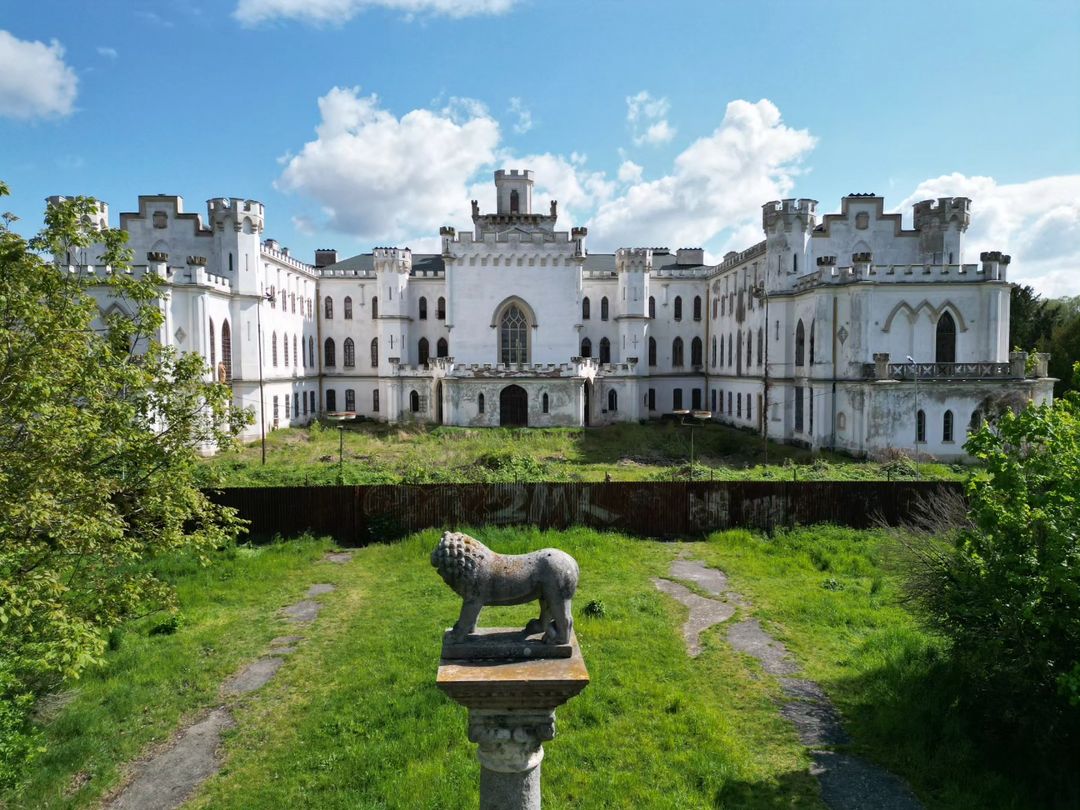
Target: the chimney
pixel 325 257
pixel 689 257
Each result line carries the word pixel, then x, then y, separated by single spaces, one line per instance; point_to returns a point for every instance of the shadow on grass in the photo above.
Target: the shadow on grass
pixel 793 789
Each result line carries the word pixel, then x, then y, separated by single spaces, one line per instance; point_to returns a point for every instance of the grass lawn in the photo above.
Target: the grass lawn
pixel 353 719
pixel 375 453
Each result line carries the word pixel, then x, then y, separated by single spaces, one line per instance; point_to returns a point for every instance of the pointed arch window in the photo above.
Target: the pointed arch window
pixel 349 351
pixel 586 347
pixel 285 350
pixel 513 336
pixel 328 308
pixel 414 402
pixel 585 308
pixel 329 353
pixel 273 349
pixel 226 349
pixel 800 344
pixel 480 403
pixel 442 348
pixel 714 351
pixel 612 400
pixel 945 344
pixel 730 346
pixel 544 403
pixel 920 426
pixel 677 352
pixel 721 350
pixel 697 307
pixel 605 350
pixel 604 308
pixel 374 352
pixel 652 351
pixel 423 351
pixel 812 331
pixel 652 307
pixel 374 307
pixel 738 352
pixel 947 427
pixel 422 307
pixel 296 357
pixel 515 201
pixel 695 352
pixel 678 307
pixel 348 307
pixel 292 303
pixel 311 349
pixel 749 346
pixel 440 309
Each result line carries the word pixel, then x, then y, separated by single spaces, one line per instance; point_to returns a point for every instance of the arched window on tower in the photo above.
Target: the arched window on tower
pixel 440 309
pixel 697 307
pixel 513 336
pixel 374 307
pixel 374 352
pixel 329 353
pixel 677 352
pixel 348 307
pixel 605 350
pixel 515 202
pixel 612 401
pixel 586 347
pixel 349 351
pixel 652 351
pixel 226 349
pixel 442 348
pixel 328 308
pixel 422 306
pixel 604 308
pixel 273 349
pixel 423 350
pixel 585 309
pixel 652 307
pixel 695 352
pixel 800 344
pixel 414 402
pixel 945 345
pixel 947 427
pixel 678 307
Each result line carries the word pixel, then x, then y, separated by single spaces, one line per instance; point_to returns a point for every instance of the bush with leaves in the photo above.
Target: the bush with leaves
pixel 1007 593
pixel 100 428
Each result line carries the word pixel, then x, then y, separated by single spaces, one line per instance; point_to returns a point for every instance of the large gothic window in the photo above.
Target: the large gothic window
pixel 513 336
pixel 586 347
pixel 440 309
pixel 946 340
pixel 329 353
pixel 349 351
pixel 605 350
pixel 677 352
pixel 442 348
pixel 423 351
pixel 226 349
pixel 800 344
pixel 695 352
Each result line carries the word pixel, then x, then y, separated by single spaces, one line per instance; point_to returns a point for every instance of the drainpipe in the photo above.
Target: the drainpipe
pixel 835 309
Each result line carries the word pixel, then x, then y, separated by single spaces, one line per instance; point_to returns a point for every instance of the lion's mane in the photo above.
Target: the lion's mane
pixel 460 559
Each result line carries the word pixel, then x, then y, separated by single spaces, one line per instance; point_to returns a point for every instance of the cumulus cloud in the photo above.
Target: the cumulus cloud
pixel 35 82
pixel 717 184
pixel 1037 222
pixel 523 114
pixel 335 12
pixel 647 117
pixel 630 172
pixel 380 177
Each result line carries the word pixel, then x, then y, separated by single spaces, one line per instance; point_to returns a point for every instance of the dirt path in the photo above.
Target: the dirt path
pixel 847 782
pixel 169 777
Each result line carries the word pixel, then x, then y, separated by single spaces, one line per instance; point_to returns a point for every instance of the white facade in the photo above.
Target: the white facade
pixel 515 322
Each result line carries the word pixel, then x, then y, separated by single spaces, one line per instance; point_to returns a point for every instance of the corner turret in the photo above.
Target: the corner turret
pixel 941 224
pixel 787 225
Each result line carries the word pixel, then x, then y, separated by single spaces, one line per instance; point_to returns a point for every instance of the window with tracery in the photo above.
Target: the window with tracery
pixel 513 336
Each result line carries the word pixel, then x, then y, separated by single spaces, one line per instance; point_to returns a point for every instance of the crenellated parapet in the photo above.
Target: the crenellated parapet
pixel 942 212
pixel 634 260
pixel 235 213
pixel 391 259
pixel 786 215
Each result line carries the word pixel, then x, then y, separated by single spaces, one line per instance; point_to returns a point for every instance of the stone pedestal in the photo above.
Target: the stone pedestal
pixel 511 703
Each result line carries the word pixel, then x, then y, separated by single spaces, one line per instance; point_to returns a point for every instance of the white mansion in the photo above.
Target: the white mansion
pixel 806 335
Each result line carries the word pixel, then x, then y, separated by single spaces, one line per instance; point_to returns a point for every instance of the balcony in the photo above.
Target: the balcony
pixel 940 371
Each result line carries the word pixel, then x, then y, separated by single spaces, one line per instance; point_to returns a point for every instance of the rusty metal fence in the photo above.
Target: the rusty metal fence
pixel 357 515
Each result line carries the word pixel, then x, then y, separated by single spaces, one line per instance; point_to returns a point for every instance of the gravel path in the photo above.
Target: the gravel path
pixel 169 777
pixel 847 782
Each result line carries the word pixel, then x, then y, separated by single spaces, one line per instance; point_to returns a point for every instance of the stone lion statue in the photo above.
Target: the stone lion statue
pixel 482 577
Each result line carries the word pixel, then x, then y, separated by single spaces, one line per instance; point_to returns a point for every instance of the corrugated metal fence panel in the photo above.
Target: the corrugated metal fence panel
pixel 363 514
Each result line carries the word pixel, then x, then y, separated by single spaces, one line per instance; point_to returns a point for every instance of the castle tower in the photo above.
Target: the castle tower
pixel 237 225
pixel 941 224
pixel 787 225
pixel 99 220
pixel 633 267
pixel 513 191
pixel 392 268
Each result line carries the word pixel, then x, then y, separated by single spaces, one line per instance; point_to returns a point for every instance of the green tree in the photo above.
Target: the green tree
pixel 100 428
pixel 1031 319
pixel 1008 593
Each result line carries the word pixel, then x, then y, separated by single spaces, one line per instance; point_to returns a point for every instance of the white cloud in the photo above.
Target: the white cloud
pixel 335 12
pixel 647 117
pixel 34 80
pixel 1037 222
pixel 384 178
pixel 524 116
pixel 630 172
pixel 717 183
pixel 108 53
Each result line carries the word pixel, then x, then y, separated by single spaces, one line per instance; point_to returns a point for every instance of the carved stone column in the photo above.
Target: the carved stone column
pixel 511 702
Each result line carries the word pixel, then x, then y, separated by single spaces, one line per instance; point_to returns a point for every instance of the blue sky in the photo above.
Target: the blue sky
pixel 366 122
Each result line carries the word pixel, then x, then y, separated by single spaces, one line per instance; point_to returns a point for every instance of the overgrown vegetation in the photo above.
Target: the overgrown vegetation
pixel 99 429
pixel 376 453
pixel 1047 325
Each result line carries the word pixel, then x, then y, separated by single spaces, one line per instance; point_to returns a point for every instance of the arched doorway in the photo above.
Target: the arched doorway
pixel 438 403
pixel 588 403
pixel 513 407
